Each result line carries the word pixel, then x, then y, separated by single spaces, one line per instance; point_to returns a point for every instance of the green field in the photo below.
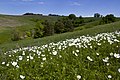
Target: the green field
pixel 90 52
pixel 8 23
pixel 58 37
pixel 85 57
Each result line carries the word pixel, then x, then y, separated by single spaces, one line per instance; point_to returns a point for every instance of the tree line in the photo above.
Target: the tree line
pixel 62 25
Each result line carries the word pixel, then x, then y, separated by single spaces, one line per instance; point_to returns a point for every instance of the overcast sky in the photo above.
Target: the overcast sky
pixel 61 7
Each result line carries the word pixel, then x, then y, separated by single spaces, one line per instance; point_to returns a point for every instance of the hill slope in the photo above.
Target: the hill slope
pixel 58 37
pixel 22 23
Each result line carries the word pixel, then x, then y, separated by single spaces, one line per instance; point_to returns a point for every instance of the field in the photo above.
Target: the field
pixel 85 57
pixel 58 37
pixel 90 52
pixel 9 23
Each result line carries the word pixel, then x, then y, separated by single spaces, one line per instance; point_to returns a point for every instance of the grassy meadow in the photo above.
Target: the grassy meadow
pixel 90 52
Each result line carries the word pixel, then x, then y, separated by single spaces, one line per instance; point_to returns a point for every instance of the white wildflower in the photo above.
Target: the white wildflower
pixel 27 59
pixel 88 57
pixel 99 44
pixel 9 55
pixel 77 51
pixel 76 54
pixel 44 58
pixel 17 66
pixel 108 64
pixel 7 64
pixel 43 55
pixel 91 47
pixel 22 76
pixel 109 76
pixel 31 57
pixel 54 52
pixel 119 70
pixel 111 54
pixel 117 55
pixel 14 63
pixel 97 54
pixel 78 77
pixel 20 58
pixel 3 62
pixel 23 53
pixel 41 64
pixel 106 59
pixel 28 56
pixel 60 56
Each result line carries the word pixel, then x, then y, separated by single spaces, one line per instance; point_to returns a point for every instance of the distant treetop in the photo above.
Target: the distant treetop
pixel 32 14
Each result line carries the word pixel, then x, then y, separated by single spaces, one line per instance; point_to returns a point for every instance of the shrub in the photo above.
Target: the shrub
pixel 48 28
pixel 38 30
pixel 15 35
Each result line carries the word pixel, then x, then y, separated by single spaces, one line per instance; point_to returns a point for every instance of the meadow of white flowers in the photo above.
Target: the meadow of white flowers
pixel 85 58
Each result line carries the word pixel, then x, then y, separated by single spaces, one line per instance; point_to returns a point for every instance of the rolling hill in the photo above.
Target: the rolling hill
pixel 59 37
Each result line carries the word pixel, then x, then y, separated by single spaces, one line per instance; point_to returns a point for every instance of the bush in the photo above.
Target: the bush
pixel 48 28
pixel 15 35
pixel 59 27
pixel 108 19
pixel 38 30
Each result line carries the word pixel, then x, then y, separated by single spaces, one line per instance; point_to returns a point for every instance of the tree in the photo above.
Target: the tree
pixel 48 28
pixel 38 30
pixel 72 16
pixel 108 19
pixel 97 15
pixel 68 24
pixel 59 27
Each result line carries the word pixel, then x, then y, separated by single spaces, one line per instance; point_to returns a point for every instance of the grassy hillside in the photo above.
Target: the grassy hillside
pixel 26 22
pixel 77 57
pixel 58 37
pixel 22 23
pixel 14 20
pixel 83 58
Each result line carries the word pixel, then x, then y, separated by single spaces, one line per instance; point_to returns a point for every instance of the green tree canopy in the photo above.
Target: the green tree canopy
pixel 72 16
pixel 38 30
pixel 97 15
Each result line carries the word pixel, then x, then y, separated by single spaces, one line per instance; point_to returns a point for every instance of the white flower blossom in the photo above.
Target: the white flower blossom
pixel 31 57
pixel 119 70
pixel 117 55
pixel 109 76
pixel 97 54
pixel 77 51
pixel 44 58
pixel 3 62
pixel 108 64
pixel 78 77
pixel 20 58
pixel 106 59
pixel 111 54
pixel 23 53
pixel 54 52
pixel 90 59
pixel 22 76
pixel 76 54
pixel 14 63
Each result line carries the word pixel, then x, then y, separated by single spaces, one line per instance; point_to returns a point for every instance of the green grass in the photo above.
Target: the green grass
pixel 61 61
pixel 58 37
pixel 87 25
pixel 20 23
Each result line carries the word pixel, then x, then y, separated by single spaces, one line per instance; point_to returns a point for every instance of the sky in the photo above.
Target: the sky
pixel 60 7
